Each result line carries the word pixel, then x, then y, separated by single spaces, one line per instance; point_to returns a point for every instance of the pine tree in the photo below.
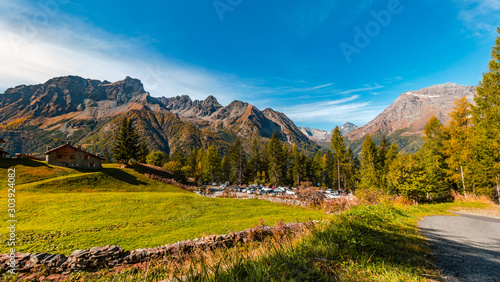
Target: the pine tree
pixel 297 166
pixel 237 162
pixel 368 174
pixel 339 154
pixel 285 165
pixel 126 142
pixel 352 170
pixel 486 130
pixel 179 156
pixel 192 162
pixel 275 160
pixel 143 152
pixel 255 163
pixel 383 149
pixel 132 141
pixel 317 170
pixel 212 164
pixel 327 166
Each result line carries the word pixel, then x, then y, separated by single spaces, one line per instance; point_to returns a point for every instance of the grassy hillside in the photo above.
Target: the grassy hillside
pixel 68 209
pixel 367 243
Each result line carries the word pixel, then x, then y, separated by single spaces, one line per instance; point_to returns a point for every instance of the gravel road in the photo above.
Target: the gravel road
pixel 467 247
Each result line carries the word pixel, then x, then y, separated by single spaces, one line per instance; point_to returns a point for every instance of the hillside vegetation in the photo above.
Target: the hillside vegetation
pixel 367 243
pixel 70 209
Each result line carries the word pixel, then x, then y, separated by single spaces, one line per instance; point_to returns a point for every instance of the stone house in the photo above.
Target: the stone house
pixel 3 154
pixel 71 156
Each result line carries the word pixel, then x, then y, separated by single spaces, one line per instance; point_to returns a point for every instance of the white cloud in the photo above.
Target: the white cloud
pixel 335 111
pixel 479 16
pixel 366 88
pixel 37 44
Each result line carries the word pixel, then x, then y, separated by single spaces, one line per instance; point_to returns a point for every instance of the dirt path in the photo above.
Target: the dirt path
pixel 467 247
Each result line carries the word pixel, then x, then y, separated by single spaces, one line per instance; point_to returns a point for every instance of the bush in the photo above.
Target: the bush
pixel 156 158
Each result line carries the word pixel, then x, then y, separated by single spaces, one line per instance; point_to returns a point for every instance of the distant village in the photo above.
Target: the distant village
pixel 65 155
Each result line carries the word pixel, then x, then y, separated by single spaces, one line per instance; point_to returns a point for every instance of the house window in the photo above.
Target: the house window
pixel 71 157
pixel 86 157
pixel 91 164
pixel 59 156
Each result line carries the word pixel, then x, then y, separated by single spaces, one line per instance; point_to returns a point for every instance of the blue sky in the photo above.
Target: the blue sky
pixel 322 63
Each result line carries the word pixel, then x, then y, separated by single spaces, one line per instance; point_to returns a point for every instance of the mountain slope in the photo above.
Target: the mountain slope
pixel 88 112
pixel 404 120
pixel 322 136
pixel 238 119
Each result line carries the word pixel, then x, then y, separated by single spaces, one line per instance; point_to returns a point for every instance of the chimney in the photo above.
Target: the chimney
pixel 68 142
pixel 49 148
pixel 79 147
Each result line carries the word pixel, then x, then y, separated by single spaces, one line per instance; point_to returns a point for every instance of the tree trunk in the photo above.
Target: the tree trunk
pixel 338 169
pixel 463 180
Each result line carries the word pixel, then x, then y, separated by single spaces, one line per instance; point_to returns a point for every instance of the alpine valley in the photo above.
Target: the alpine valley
pixel 88 112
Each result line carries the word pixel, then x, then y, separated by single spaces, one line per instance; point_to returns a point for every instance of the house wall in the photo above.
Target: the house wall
pixel 69 157
pixel 3 154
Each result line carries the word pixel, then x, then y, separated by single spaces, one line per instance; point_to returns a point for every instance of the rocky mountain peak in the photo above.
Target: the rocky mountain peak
pixel 347 127
pixel 412 110
pixel 124 90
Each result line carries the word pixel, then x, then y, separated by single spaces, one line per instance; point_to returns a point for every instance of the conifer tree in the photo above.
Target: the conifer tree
pixel 179 156
pixel 192 162
pixel 212 164
pixel 297 166
pixel 317 169
pixel 368 174
pixel 285 165
pixel 339 154
pixel 486 130
pixel 256 163
pixel 237 162
pixel 143 152
pixel 275 160
pixel 126 142
pixel 327 165
pixel 352 170
pixel 132 140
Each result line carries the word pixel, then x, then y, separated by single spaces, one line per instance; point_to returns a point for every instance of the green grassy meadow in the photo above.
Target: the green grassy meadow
pixel 367 243
pixel 60 210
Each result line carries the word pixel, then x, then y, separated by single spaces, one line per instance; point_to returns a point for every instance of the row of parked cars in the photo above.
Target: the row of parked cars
pixel 278 191
pixel 262 190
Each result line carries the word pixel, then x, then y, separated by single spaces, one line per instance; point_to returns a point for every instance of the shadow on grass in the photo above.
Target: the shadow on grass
pixel 8 163
pixel 122 176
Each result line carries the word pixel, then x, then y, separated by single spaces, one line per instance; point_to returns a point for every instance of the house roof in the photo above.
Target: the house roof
pixel 74 148
pixel 1 140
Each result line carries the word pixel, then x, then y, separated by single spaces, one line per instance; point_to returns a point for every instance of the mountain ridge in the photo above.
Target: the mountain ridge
pixel 86 110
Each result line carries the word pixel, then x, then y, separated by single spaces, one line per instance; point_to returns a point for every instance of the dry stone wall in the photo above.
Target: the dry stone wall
pixel 111 256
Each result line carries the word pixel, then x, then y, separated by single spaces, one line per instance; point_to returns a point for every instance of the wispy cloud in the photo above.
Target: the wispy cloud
pixel 36 44
pixel 335 111
pixel 366 88
pixel 479 16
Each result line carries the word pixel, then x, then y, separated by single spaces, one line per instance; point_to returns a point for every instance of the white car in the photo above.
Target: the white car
pixel 332 196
